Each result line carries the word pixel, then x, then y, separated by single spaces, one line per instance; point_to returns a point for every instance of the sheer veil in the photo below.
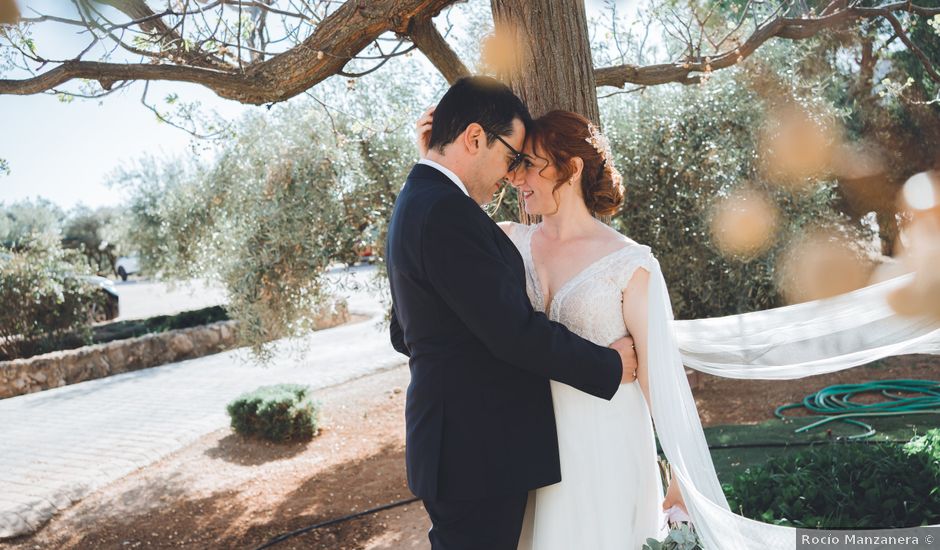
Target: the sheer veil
pixel 783 343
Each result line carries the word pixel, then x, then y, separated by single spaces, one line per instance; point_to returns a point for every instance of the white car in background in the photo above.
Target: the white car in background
pixel 127 265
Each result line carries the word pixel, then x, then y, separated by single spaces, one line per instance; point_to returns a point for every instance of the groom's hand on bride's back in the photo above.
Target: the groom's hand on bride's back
pixel 627 351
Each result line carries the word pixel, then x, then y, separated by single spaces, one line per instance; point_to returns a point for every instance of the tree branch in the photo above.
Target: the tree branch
pixel 425 36
pixel 921 56
pixel 152 23
pixel 779 27
pixel 351 28
pixel 336 40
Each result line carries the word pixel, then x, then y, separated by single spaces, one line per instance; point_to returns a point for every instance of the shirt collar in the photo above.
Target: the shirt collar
pixel 450 175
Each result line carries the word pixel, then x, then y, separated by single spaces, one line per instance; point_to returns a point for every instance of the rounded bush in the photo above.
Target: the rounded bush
pixel 279 413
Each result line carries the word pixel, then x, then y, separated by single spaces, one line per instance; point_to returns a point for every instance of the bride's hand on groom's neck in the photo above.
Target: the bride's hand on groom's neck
pixel 423 132
pixel 628 359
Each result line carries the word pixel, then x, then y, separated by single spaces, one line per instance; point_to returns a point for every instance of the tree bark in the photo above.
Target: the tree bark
pixel 548 63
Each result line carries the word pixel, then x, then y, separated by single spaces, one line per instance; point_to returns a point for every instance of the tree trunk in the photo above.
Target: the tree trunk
pixel 548 59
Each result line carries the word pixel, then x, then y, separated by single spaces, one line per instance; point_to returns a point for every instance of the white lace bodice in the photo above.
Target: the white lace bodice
pixel 589 304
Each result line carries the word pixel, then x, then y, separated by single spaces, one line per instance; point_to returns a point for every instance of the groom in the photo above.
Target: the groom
pixel 479 417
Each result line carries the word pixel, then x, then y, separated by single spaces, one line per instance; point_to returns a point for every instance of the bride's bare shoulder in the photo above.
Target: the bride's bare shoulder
pixel 615 238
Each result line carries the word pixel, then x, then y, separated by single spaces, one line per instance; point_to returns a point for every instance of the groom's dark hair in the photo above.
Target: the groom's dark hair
pixel 480 99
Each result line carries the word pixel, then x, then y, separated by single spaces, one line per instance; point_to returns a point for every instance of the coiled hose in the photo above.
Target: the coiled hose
pixel 835 403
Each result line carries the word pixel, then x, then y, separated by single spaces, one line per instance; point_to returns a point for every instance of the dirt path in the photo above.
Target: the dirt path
pixel 222 492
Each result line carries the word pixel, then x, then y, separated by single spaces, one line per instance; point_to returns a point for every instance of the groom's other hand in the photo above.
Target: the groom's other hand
pixel 627 351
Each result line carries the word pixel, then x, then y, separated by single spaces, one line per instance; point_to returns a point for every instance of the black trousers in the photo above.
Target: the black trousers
pixel 483 524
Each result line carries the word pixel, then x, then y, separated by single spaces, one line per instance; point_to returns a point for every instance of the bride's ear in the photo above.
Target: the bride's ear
pixel 577 166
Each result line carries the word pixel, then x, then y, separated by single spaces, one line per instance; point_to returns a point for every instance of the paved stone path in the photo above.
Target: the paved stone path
pixel 59 445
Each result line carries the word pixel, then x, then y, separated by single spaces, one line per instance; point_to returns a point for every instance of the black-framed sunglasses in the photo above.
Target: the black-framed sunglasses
pixel 518 156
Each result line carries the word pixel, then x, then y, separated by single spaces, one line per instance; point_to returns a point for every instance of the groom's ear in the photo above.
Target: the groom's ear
pixel 474 138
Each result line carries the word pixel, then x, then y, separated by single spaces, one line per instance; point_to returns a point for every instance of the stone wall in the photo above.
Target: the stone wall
pixel 61 368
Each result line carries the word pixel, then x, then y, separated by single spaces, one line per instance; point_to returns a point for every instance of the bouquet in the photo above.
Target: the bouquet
pixel 681 537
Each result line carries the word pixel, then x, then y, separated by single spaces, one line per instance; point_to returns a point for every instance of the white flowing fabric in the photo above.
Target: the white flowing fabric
pixel 788 342
pixel 809 338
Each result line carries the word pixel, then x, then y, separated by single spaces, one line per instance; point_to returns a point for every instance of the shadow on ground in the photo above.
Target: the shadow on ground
pixel 243 451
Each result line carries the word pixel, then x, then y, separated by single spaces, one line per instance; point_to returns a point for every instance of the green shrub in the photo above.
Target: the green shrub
pixel 927 445
pixel 44 299
pixel 279 413
pixel 187 319
pixel 843 486
pixel 132 328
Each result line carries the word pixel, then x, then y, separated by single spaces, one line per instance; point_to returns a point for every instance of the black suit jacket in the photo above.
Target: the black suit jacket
pixel 478 412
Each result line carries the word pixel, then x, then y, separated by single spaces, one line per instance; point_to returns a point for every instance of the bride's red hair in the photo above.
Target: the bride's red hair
pixel 561 136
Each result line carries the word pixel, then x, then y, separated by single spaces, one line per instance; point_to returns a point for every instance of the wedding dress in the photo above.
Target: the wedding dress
pixel 610 495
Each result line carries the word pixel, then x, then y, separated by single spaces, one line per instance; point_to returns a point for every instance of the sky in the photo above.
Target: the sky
pixel 65 152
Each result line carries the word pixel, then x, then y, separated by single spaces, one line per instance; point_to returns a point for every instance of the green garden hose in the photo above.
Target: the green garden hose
pixel 835 402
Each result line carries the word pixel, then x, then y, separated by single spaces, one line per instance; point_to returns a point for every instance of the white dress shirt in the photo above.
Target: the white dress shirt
pixel 453 177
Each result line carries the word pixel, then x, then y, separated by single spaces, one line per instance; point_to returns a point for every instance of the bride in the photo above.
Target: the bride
pixel 595 281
